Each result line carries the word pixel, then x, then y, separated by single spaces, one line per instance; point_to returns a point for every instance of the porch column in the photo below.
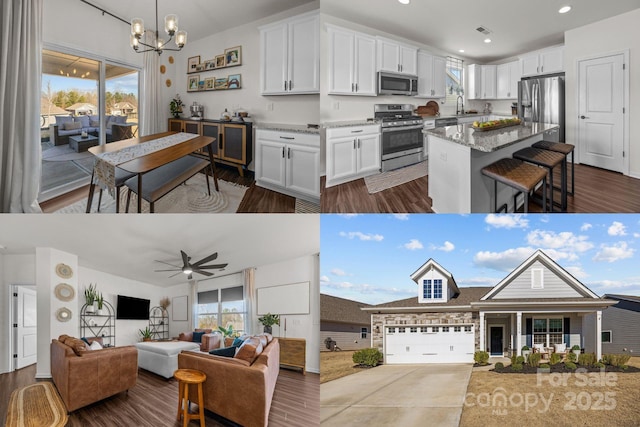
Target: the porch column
pixel 482 343
pixel 519 333
pixel 599 334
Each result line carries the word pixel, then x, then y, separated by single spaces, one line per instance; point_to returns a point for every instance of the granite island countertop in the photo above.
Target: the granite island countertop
pixel 489 141
pixel 280 127
pixel 349 123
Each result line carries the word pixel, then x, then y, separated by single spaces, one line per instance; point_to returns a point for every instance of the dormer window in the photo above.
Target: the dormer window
pixel 432 289
pixel 426 289
pixel 437 289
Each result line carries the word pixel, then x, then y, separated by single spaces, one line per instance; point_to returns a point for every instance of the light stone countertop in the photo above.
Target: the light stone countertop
pixel 280 127
pixel 349 123
pixel 489 141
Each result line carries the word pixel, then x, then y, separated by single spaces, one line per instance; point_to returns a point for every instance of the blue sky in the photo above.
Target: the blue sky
pixel 126 84
pixel 369 258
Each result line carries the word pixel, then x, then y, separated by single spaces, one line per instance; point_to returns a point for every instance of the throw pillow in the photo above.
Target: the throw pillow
pixel 249 350
pixel 226 351
pixel 78 346
pixel 60 120
pixel 263 340
pixel 85 340
pixel 237 342
pixel 84 120
pixel 94 123
pixel 269 337
pixel 206 331
pixel 121 119
pixel 71 126
pixel 197 336
pixel 95 346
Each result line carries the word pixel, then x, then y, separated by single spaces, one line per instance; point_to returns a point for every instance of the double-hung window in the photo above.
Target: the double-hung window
pixel 426 289
pixel 437 289
pixel 222 307
pixel 547 331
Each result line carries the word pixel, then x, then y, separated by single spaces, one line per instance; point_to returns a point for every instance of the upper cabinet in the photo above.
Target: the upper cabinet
pixel 488 81
pixel 396 57
pixel 352 62
pixel 545 61
pixel 290 56
pixel 431 75
pixel 508 76
pixel 481 81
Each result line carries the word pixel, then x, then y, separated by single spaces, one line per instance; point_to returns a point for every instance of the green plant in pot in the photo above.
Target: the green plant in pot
pixel 90 296
pixel 227 332
pixel 146 334
pixel 526 351
pixel 100 301
pixel 576 350
pixel 268 320
pixel 175 106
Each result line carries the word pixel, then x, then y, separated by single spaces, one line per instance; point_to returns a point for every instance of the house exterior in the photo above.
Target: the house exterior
pixel 539 303
pixel 620 332
pixel 344 322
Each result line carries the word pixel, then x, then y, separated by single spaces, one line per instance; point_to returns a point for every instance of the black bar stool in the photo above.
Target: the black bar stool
pixel 566 149
pixel 547 159
pixel 519 175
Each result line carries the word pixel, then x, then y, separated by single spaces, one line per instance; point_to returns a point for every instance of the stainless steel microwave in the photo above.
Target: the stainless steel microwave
pixel 397 84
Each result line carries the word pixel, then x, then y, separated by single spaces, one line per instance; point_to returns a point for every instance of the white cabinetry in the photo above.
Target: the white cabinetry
pixel 481 82
pixel 288 162
pixel 545 61
pixel 431 75
pixel 352 62
pixel 488 81
pixel 396 57
pixel 290 56
pixel 507 80
pixel 352 152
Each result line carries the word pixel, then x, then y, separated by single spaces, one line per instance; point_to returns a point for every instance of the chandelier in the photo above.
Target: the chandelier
pixel 158 44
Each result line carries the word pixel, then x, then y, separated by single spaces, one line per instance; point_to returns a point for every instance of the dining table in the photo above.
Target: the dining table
pixel 141 155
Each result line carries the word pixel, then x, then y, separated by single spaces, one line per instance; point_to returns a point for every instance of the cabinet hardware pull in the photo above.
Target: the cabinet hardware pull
pixel 542 69
pixel 354 144
pixel 357 131
pixel 352 87
pixel 285 85
pixel 358 142
pixel 288 153
pixel 356 87
pixel 287 137
pixel 290 85
pixel 283 152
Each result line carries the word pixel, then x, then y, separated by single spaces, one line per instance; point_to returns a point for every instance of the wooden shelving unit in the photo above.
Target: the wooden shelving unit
pixel 99 325
pixel 159 323
pixel 293 353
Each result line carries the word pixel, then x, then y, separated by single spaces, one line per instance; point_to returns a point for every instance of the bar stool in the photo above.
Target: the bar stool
pixel 186 377
pixel 519 175
pixel 549 160
pixel 566 149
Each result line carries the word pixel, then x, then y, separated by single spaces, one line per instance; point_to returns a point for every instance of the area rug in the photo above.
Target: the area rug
pixel 386 180
pixel 190 197
pixel 62 153
pixel 304 206
pixel 36 405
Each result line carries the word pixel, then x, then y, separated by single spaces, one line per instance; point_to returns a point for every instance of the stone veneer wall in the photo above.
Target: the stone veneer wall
pixel 379 321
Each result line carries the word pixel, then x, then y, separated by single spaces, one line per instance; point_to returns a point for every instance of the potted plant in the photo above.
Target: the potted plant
pixel 90 295
pixel 268 320
pixel 227 332
pixel 146 334
pixel 526 351
pixel 576 350
pixel 175 106
pixel 100 301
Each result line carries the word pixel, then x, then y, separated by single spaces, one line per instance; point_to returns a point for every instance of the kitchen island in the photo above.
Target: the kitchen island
pixel 457 155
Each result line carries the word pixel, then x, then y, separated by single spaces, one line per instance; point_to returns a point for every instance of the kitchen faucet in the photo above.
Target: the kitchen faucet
pixel 459 110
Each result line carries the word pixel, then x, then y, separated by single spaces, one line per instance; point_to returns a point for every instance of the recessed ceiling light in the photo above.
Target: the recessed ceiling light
pixel 564 9
pixel 404 1
pixel 487 40
pixel 461 50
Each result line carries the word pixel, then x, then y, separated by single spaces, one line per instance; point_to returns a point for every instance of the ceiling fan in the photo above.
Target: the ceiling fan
pixel 196 267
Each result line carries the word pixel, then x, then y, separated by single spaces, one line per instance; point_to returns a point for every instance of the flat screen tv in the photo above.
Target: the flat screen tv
pixel 132 308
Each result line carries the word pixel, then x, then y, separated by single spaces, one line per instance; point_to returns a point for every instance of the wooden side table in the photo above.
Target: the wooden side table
pixel 186 377
pixel 293 353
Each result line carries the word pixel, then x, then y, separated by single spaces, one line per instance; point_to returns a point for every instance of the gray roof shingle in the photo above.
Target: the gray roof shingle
pixel 334 309
pixel 465 297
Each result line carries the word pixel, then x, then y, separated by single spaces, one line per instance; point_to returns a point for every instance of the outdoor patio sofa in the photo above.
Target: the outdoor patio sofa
pixel 65 126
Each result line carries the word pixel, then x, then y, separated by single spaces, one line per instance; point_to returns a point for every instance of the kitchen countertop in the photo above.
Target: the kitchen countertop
pixel 348 123
pixel 287 128
pixel 489 141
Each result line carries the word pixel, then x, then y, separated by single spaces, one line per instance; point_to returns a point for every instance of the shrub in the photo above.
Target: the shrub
pixel 544 366
pixel 571 356
pixel 624 367
pixel 587 359
pixel 499 365
pixel 615 359
pixel 555 359
pixel 367 356
pixel 519 360
pixel 481 357
pixel 534 359
pixel 570 365
pixel 517 367
pixel 514 359
pixel 600 365
pixel 575 347
pixel 525 348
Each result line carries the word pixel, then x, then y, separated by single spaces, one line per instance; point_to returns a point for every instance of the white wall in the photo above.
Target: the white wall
pixel 600 38
pixel 293 109
pixel 305 326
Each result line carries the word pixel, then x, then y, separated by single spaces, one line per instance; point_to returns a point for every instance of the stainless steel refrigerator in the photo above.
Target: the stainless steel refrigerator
pixel 541 99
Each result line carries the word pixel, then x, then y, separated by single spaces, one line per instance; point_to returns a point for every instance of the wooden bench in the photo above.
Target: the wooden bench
pixel 160 181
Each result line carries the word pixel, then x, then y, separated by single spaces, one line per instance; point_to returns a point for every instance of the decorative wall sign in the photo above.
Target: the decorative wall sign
pixel 64 292
pixel 180 308
pixel 64 271
pixel 63 314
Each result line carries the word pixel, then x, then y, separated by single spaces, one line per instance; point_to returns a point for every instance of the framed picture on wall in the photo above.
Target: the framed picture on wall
pixel 234 81
pixel 221 83
pixel 208 83
pixel 193 83
pixel 193 64
pixel 180 307
pixel 220 61
pixel 233 56
pixel 210 65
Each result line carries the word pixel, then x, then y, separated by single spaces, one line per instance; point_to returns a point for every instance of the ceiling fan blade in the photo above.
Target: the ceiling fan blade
pixel 206 259
pixel 185 258
pixel 174 275
pixel 212 267
pixel 204 273
pixel 171 265
pixel 174 269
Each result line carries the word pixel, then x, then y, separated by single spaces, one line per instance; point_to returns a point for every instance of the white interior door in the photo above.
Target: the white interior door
pixel 26 330
pixel 600 112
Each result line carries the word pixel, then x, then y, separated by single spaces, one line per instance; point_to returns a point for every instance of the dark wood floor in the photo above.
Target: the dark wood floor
pixel 255 200
pixel 153 402
pixel 596 191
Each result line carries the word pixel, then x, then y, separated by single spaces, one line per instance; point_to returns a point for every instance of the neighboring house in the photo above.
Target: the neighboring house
pixel 82 108
pixel 123 108
pixel 344 322
pixel 537 303
pixel 620 332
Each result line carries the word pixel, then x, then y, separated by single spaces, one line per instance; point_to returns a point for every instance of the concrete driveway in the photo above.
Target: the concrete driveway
pixel 396 395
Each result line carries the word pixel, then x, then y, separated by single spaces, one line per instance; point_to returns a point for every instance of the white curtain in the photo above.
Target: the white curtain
pixel 20 80
pixel 193 291
pixel 151 96
pixel 248 279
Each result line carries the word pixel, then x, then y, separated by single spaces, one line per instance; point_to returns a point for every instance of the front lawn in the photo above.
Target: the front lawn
pixel 336 364
pixel 577 399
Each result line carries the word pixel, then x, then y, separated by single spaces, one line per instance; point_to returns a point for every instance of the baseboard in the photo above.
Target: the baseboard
pixel 43 376
pixel 634 175
pixel 314 371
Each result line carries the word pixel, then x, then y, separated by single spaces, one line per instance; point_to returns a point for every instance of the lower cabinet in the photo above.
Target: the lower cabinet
pixel 293 352
pixel 289 163
pixel 352 152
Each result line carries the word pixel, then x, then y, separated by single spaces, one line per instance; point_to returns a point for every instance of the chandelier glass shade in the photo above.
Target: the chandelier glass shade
pixel 153 42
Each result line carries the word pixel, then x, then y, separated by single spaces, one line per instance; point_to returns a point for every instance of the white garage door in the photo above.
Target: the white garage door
pixel 429 344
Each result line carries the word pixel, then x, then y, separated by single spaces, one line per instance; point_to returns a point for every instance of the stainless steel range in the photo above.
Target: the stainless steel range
pixel 402 140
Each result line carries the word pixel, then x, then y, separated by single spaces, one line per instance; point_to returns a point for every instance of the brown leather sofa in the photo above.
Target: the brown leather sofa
pixel 236 389
pixel 85 376
pixel 210 340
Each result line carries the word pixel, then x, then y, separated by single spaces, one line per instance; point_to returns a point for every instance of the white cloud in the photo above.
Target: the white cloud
pixel 503 261
pixel 506 221
pixel 577 272
pixel 324 279
pixel 636 235
pixel 544 218
pixel 478 281
pixel 586 226
pixel 367 293
pixel 401 217
pixel 564 240
pixel 617 229
pixel 446 247
pixel 362 236
pixel 614 253
pixel 413 245
pixel 348 216
pixel 338 272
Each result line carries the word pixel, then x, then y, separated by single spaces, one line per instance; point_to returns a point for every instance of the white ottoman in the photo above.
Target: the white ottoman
pixel 162 357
